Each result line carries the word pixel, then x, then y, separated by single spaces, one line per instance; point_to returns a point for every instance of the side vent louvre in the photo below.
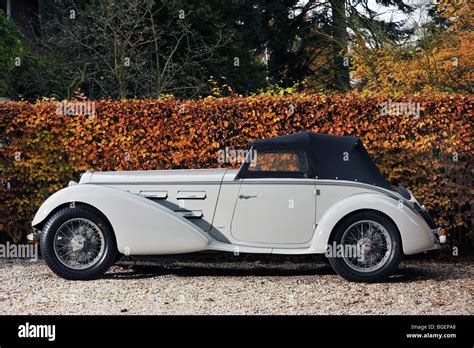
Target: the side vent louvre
pixel 190 214
pixel 155 194
pixel 191 195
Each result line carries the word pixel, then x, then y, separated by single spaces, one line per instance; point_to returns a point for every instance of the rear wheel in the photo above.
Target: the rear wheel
pixel 77 243
pixel 369 247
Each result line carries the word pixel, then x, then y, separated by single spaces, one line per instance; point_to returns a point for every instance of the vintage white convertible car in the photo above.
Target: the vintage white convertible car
pixel 304 193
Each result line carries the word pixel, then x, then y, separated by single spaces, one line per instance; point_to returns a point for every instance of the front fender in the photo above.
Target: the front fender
pixel 141 226
pixel 415 233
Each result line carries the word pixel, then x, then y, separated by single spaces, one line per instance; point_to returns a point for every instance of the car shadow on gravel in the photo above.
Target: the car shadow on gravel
pixel 414 274
pixel 411 271
pixel 139 272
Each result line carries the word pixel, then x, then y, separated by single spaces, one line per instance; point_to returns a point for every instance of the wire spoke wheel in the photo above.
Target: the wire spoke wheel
pixel 372 243
pixel 79 244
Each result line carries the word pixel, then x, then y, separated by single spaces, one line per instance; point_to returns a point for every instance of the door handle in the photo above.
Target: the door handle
pixel 246 196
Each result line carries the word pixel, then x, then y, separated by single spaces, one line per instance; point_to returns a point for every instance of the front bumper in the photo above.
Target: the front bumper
pixel 439 235
pixel 438 232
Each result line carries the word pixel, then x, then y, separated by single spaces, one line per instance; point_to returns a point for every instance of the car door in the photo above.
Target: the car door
pixel 276 202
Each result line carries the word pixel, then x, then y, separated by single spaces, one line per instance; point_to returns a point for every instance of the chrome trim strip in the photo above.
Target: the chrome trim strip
pixel 236 182
pixel 260 181
pixel 155 183
pixel 271 182
pixel 357 184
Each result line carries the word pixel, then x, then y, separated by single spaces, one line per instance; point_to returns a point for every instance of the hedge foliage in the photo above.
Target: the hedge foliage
pixel 42 149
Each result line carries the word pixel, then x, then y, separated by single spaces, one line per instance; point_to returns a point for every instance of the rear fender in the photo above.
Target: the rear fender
pixel 415 233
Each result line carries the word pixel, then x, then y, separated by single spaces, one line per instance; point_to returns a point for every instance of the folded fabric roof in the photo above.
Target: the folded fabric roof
pixel 334 157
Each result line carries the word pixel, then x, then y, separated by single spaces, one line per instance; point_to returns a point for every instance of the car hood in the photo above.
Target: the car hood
pixel 153 176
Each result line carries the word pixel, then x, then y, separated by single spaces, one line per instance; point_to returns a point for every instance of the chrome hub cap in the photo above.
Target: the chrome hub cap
pixel 372 243
pixel 79 243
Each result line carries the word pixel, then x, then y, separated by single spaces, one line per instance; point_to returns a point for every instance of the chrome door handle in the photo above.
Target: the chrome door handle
pixel 246 197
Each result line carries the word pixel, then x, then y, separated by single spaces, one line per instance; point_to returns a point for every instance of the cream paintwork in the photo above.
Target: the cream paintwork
pixel 145 227
pixel 416 234
pixel 173 184
pixel 141 226
pixel 337 199
pixel 152 176
pixel 275 214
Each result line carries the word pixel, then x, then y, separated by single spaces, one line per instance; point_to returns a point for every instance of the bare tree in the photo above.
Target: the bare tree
pixel 126 48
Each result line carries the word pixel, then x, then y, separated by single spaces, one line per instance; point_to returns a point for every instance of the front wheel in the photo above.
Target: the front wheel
pixel 77 243
pixel 368 247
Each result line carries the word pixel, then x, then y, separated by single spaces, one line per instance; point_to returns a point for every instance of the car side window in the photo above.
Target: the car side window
pixel 278 163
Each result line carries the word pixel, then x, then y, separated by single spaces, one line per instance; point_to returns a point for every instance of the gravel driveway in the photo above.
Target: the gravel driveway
pixel 419 287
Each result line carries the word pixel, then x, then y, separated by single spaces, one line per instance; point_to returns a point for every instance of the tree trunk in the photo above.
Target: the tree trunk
pixel 339 45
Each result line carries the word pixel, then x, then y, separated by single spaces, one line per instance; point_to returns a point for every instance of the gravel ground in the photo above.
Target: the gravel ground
pixel 419 287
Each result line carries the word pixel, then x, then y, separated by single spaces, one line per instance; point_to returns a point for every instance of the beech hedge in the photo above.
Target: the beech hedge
pixel 423 143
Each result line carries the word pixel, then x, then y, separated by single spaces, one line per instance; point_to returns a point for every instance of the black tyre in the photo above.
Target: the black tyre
pixel 78 243
pixel 369 247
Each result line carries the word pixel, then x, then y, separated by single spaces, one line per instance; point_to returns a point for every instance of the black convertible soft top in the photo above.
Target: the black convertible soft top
pixel 333 157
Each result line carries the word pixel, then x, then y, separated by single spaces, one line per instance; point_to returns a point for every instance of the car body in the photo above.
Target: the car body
pixel 290 199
